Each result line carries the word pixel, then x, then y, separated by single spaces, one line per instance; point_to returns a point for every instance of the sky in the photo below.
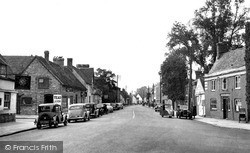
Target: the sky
pixel 127 37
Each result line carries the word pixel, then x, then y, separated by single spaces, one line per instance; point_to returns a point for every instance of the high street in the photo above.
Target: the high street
pixel 140 129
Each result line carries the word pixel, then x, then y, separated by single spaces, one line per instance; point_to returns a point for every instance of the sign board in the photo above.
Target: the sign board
pixel 57 99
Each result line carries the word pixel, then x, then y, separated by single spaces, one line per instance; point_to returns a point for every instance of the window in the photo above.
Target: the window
pixel 237 104
pixel 3 70
pixel 224 84
pixel 26 101
pixel 206 86
pixel 213 85
pixel 237 82
pixel 43 83
pixel 213 104
pixel 7 100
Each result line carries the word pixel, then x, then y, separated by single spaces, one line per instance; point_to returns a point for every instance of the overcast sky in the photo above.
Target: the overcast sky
pixel 127 37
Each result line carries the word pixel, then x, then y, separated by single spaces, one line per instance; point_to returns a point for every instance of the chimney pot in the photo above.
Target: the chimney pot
pixel 46 55
pixel 222 48
pixel 69 61
pixel 82 66
pixel 58 60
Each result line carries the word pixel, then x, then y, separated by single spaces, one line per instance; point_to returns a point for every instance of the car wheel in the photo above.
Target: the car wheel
pixel 50 124
pixel 65 122
pixel 39 126
pixel 56 124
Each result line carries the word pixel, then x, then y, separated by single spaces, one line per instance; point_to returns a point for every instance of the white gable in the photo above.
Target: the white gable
pixel 199 88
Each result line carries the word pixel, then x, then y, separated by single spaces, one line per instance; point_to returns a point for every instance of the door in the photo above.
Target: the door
pixel 225 106
pixel 18 107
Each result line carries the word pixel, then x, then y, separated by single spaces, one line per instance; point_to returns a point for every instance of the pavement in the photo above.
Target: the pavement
pixel 26 123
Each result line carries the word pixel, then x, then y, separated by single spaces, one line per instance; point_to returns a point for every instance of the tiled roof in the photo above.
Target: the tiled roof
pixel 231 60
pixel 18 63
pixel 86 73
pixel 64 74
pixel 2 60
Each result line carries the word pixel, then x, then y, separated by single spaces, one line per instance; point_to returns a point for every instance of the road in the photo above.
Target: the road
pixel 138 129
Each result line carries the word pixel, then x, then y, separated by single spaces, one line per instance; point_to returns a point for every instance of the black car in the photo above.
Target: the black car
pixel 184 113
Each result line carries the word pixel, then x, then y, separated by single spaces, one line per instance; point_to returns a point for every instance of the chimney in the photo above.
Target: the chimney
pixel 69 62
pixel 222 48
pixel 59 60
pixel 46 55
pixel 198 74
pixel 82 66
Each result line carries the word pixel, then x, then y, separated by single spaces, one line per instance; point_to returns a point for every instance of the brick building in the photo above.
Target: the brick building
pixel 225 83
pixel 39 80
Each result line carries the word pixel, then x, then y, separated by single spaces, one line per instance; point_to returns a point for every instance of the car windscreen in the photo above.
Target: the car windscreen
pixel 44 109
pixel 75 107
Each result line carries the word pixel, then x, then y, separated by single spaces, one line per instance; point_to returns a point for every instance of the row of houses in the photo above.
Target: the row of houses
pixel 27 81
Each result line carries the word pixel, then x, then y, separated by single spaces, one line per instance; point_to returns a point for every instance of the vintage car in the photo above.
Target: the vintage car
pixel 169 112
pixel 157 108
pixel 184 113
pixel 50 114
pixel 93 110
pixel 120 105
pixel 109 107
pixel 78 112
pixel 100 107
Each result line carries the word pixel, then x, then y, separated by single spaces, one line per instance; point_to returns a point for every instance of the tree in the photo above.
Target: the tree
pixel 184 41
pixel 220 20
pixel 174 76
pixel 142 92
pixel 104 80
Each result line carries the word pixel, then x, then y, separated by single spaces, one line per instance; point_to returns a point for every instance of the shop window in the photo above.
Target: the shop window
pixel 43 83
pixel 237 104
pixel 237 82
pixel 7 97
pixel 213 104
pixel 26 101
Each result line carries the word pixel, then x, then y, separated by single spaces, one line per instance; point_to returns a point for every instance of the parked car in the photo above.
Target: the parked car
pixel 157 108
pixel 109 107
pixel 93 110
pixel 120 105
pixel 184 113
pixel 50 114
pixel 101 109
pixel 78 112
pixel 168 111
pixel 114 105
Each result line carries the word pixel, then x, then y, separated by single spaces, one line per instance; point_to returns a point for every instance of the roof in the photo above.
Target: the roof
pixel 2 60
pixel 86 73
pixel 64 75
pixel 49 104
pixel 229 62
pixel 18 63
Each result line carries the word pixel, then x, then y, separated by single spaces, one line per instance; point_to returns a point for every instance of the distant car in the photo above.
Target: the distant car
pixel 78 112
pixel 168 111
pixel 157 108
pixel 109 107
pixel 184 113
pixel 93 110
pixel 114 105
pixel 120 105
pixel 50 114
pixel 101 109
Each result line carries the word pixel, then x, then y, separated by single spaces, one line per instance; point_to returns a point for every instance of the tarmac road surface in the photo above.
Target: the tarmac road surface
pixel 138 129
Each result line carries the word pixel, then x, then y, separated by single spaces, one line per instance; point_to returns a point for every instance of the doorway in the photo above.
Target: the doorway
pixel 225 106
